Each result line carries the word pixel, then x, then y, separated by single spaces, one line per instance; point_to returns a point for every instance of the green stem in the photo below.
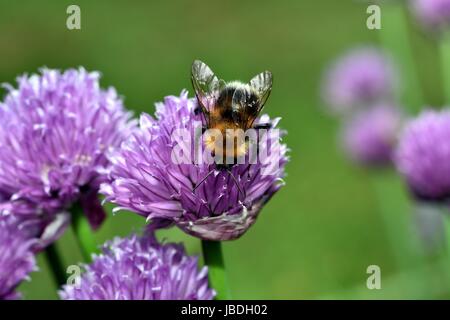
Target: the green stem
pixel 447 231
pixel 56 265
pixel 430 226
pixel 395 38
pixel 83 233
pixel 444 49
pixel 212 254
pixel 395 211
pixel 445 266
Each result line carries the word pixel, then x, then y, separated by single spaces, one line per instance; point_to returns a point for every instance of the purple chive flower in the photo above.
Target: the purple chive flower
pixel 433 14
pixel 370 135
pixel 55 131
pixel 363 76
pixel 149 182
pixel 139 268
pixel 16 257
pixel 423 155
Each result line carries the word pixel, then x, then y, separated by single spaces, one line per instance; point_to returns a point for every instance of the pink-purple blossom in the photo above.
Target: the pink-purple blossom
pixel 423 155
pixel 56 129
pixel 363 76
pixel 433 14
pixel 139 268
pixel 16 256
pixel 370 134
pixel 147 181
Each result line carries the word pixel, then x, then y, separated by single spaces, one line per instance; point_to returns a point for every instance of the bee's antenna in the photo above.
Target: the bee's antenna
pixel 203 180
pixel 236 182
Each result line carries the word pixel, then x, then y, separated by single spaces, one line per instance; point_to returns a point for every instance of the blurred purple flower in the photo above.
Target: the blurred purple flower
pixel 149 182
pixel 137 268
pixel 370 135
pixel 16 257
pixel 433 14
pixel 55 131
pixel 362 77
pixel 423 155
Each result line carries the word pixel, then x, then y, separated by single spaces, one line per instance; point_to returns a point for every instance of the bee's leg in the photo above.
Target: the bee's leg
pixel 249 176
pixel 197 110
pixel 203 180
pixel 267 125
pixel 236 183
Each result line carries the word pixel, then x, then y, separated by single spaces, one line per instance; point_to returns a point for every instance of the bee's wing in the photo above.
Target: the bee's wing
pixel 243 108
pixel 262 83
pixel 246 108
pixel 206 85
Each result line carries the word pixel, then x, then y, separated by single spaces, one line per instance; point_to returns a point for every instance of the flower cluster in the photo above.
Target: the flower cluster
pixel 423 155
pixel 361 77
pixel 361 87
pixel 56 129
pixel 16 256
pixel 139 268
pixel 433 14
pixel 63 139
pixel 146 180
pixel 370 135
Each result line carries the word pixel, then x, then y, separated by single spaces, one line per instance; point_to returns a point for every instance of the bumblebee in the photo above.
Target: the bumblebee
pixel 229 107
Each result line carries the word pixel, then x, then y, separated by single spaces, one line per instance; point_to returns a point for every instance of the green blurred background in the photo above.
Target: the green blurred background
pixel 318 235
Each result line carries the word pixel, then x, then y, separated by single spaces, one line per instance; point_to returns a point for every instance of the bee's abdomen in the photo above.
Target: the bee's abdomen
pixel 223 111
pixel 226 96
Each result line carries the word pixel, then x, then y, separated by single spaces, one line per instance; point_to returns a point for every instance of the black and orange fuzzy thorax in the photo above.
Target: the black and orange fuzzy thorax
pixel 232 119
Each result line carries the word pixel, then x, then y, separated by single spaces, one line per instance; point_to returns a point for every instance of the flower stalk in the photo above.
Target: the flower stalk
pixel 83 233
pixel 394 210
pixel 56 265
pixel 447 231
pixel 213 257
pixel 444 48
pixel 444 51
pixel 394 37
